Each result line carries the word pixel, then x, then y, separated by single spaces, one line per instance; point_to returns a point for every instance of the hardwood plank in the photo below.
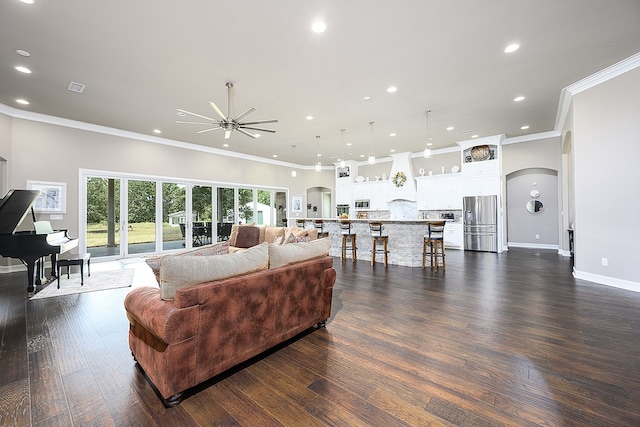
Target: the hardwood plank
pixel 14 404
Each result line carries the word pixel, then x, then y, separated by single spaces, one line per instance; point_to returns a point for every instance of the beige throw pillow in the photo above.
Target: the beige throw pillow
pixel 185 271
pixel 219 248
pixel 281 255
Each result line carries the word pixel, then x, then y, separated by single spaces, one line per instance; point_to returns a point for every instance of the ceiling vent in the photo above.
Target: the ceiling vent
pixel 76 87
pixel 464 132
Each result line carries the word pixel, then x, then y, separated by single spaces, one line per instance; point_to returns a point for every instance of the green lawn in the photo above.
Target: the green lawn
pixel 142 232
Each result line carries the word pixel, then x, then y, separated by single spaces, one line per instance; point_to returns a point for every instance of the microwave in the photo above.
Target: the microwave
pixel 362 204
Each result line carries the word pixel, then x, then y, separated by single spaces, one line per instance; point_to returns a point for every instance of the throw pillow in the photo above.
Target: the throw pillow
pixel 279 256
pixel 182 272
pixel 220 248
pixel 247 237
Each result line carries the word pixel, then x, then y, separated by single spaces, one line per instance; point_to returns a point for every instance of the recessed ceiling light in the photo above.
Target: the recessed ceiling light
pixel 23 69
pixel 318 27
pixel 22 101
pixel 348 144
pixel 367 98
pixel 157 131
pixel 361 155
pixel 393 150
pixel 392 134
pixel 450 128
pixel 525 127
pixel 474 136
pixel 27 1
pixel 23 52
pixel 225 145
pixel 511 48
pixel 275 155
pixel 309 117
pixel 518 98
pixel 257 135
pixel 429 144
pixel 392 89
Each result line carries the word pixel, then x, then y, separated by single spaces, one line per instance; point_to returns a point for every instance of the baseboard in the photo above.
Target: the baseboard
pixel 608 281
pixel 532 245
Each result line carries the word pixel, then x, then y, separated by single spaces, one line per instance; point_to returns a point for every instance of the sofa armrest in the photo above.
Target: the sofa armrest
pixel 161 318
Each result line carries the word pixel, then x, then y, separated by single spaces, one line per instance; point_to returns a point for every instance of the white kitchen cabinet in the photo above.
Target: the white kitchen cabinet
pixel 439 192
pixel 453 235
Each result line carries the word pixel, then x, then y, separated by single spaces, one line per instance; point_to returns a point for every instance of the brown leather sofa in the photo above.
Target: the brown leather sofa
pixel 211 327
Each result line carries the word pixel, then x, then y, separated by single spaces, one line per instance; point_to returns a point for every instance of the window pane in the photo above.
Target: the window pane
pixel 201 206
pixel 141 213
pixel 245 205
pixel 103 216
pixel 173 215
pixel 226 214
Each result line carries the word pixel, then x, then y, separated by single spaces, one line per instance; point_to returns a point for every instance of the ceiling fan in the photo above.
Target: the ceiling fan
pixel 228 123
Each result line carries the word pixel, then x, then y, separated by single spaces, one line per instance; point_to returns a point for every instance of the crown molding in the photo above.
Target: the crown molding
pixel 593 80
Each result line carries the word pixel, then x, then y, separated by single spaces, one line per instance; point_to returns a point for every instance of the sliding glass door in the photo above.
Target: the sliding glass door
pixel 126 215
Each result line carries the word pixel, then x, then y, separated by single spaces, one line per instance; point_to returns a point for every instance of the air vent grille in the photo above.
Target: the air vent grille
pixel 76 87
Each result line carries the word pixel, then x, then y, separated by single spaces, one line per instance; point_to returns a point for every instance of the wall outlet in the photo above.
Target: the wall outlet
pixel 605 262
pixel 537 236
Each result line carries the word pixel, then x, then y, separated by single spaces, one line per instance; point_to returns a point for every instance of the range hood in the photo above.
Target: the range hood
pixel 402 163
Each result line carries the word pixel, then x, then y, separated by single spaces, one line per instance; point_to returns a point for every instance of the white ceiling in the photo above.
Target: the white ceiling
pixel 141 60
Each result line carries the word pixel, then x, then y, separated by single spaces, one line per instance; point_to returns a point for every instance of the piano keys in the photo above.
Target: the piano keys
pixel 29 246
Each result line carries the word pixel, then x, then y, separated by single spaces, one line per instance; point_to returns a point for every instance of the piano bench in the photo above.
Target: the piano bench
pixel 69 259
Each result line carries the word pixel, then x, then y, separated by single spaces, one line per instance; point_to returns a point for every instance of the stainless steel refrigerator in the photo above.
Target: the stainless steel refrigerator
pixel 480 215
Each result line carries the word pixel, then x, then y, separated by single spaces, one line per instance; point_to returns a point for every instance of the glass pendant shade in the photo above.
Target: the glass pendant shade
pixel 294 174
pixel 427 153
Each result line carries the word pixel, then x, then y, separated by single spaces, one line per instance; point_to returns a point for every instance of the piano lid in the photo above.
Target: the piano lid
pixel 14 207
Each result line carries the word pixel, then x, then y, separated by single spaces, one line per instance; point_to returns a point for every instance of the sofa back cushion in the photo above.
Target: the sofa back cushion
pixel 281 255
pixel 185 271
pixel 220 248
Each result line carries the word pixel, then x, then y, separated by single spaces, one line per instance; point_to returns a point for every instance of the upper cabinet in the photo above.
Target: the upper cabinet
pixel 439 192
pixel 481 156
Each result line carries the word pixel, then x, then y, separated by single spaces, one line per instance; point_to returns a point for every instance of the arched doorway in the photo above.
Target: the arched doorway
pixel 318 202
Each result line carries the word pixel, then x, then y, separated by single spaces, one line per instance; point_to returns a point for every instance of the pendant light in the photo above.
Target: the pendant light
pixel 372 157
pixel 343 162
pixel 294 173
pixel 427 151
pixel 318 164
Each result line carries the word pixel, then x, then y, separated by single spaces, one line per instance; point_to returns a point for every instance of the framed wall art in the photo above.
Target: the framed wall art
pixel 52 198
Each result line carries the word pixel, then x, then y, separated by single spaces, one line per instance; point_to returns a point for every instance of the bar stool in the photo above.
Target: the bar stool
pixel 348 239
pixel 300 222
pixel 285 222
pixel 376 229
pixel 319 225
pixel 434 239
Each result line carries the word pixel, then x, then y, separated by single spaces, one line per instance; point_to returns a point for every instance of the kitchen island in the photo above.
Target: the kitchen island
pixel 405 238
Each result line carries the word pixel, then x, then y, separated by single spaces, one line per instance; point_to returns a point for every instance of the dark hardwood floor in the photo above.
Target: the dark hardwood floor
pixel 509 339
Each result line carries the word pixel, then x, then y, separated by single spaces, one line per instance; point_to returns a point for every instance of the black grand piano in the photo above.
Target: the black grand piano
pixel 28 246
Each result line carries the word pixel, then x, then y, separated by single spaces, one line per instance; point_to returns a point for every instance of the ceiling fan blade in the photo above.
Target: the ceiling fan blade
pixel 258 129
pixel 197 115
pixel 208 130
pixel 227 134
pixel 244 114
pixel 246 133
pixel 215 107
pixel 258 122
pixel 192 123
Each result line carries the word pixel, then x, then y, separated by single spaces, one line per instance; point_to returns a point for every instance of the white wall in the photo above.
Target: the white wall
pixel 607 172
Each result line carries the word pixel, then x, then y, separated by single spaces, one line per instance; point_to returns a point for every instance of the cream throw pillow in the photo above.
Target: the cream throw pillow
pixel 181 272
pixel 281 255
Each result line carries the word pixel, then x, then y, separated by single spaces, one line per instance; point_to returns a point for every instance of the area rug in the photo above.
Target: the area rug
pixel 98 281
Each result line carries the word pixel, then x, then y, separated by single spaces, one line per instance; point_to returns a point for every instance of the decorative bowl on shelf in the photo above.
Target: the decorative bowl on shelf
pixel 359 178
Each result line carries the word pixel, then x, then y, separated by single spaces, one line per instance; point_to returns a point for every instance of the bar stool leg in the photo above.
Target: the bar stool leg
pixel 353 248
pixel 344 247
pixel 385 253
pixel 424 252
pixel 373 251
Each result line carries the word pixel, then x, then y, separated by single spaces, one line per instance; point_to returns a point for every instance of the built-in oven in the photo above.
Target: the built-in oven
pixel 362 204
